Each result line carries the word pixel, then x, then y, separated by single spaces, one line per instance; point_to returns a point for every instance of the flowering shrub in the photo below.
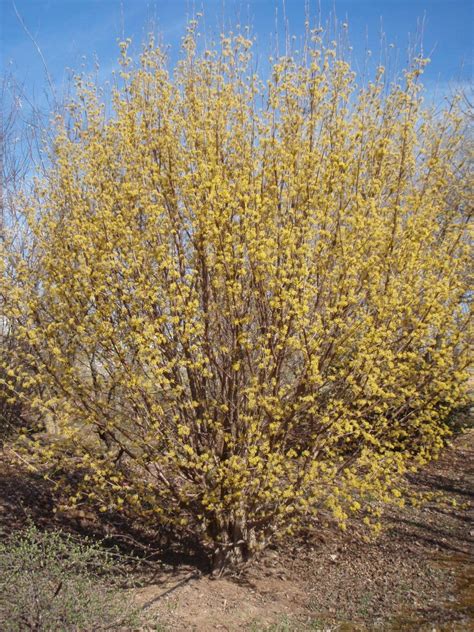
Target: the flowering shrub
pixel 249 301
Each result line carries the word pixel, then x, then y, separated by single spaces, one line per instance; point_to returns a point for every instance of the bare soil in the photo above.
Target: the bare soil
pixel 417 575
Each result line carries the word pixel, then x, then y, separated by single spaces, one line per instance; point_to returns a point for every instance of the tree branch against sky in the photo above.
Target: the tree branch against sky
pixel 67 30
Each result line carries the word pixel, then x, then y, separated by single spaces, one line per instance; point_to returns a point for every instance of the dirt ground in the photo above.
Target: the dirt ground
pixel 418 575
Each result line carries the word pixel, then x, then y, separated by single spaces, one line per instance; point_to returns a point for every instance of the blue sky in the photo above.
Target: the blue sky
pixel 68 30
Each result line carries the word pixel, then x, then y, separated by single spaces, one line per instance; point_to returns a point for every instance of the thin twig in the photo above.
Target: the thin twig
pixel 38 49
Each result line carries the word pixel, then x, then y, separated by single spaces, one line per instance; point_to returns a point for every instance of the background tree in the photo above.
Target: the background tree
pixel 16 157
